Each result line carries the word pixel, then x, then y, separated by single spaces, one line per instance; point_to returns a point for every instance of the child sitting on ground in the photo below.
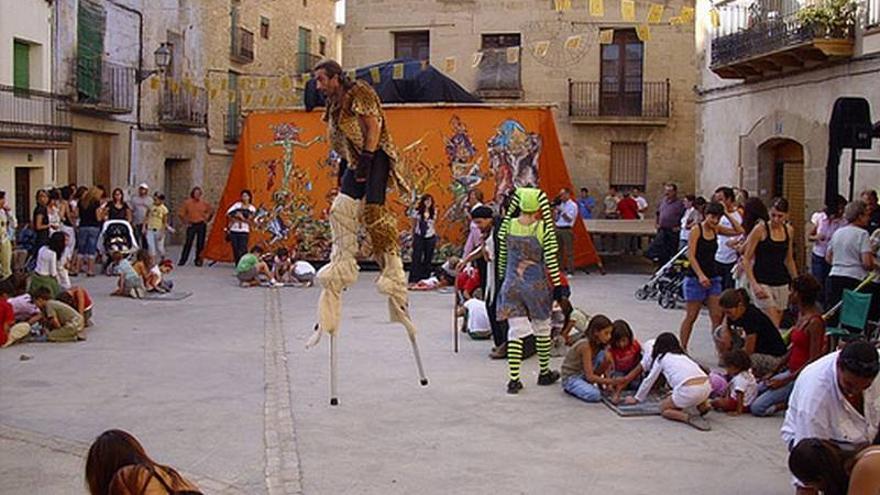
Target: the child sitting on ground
pixel 64 324
pixel 474 311
pixel 586 364
pixel 10 331
pixel 282 266
pixel 626 352
pixel 159 276
pixel 143 266
pixel 250 267
pixel 79 299
pixel 743 388
pixel 130 283
pixel 690 384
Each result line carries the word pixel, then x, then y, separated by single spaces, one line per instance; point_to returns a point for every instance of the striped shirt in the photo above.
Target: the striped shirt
pixel 548 237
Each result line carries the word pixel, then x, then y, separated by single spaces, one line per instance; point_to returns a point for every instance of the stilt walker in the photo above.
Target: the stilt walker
pixel 358 133
pixel 527 253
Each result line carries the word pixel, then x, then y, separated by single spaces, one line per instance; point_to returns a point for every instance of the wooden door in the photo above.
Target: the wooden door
pixel 101 155
pixel 788 183
pixel 22 194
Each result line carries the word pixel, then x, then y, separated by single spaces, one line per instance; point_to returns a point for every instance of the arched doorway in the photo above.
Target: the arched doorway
pixel 781 173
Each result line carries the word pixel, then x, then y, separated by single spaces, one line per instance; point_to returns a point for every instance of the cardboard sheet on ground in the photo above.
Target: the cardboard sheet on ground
pixel 650 407
pixel 168 296
pixel 445 151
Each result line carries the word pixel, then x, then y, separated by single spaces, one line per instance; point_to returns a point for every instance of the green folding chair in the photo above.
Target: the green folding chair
pixel 853 315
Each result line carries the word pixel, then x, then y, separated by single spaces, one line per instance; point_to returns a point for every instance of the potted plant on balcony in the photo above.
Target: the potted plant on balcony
pixel 833 19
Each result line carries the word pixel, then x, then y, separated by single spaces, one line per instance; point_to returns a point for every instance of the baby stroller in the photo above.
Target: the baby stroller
pixel 669 286
pixel 661 278
pixel 116 235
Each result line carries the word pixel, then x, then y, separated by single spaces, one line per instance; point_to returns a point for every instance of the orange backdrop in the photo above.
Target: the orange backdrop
pixel 438 144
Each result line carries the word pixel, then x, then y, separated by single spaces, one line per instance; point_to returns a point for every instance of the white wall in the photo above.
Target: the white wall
pixel 30 21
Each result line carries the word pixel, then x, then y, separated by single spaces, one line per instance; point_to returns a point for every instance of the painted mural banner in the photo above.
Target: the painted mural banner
pixel 445 151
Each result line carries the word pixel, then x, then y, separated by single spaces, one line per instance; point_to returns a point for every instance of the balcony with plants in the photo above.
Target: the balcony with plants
pixel 771 38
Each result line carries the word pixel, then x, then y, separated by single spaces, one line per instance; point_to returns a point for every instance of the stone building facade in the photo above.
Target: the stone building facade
pixel 176 126
pixel 624 110
pixel 765 100
pixel 32 127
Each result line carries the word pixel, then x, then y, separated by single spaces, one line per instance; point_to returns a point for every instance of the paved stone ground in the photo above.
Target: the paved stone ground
pixel 220 385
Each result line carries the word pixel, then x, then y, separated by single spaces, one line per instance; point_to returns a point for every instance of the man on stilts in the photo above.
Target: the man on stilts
pixel 357 131
pixel 527 258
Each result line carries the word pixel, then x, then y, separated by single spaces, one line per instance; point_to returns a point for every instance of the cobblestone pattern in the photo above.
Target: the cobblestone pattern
pixel 283 476
pixel 80 449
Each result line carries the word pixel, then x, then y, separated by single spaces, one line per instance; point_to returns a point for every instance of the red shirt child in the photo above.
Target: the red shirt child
pixel 7 318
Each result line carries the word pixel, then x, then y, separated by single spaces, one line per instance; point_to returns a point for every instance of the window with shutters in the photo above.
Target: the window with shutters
pixel 499 72
pixel 305 59
pixel 413 44
pixel 21 65
pixel 629 165
pixel 90 28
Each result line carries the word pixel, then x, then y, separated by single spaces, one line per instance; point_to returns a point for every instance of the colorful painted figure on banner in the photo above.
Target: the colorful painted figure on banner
pixel 513 158
pixel 465 166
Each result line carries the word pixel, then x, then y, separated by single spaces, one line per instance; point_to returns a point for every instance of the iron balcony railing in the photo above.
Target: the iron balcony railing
pixel 760 28
pixel 183 106
pixel 649 100
pixel 103 86
pixel 242 45
pixel 34 117
pixel 232 126
pixel 305 62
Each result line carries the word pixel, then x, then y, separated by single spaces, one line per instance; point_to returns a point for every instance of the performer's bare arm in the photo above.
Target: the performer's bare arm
pixel 317 139
pixel 371 128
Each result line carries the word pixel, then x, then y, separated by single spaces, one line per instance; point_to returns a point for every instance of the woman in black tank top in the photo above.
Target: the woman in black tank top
pixel 769 261
pixel 702 284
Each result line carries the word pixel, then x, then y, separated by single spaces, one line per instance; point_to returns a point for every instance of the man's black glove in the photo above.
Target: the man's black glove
pixel 561 292
pixel 365 161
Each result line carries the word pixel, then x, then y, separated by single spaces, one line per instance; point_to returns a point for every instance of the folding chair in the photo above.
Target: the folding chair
pixel 853 317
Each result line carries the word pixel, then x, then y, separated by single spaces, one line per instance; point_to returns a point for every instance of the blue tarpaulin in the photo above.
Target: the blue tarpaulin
pixel 419 84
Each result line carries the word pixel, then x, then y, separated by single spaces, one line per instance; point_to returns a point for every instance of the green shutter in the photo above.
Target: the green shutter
pixel 21 65
pixel 91 24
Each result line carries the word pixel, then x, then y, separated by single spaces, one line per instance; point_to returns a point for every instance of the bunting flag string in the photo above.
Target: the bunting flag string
pixel 541 48
pixel 513 55
pixel 628 10
pixel 476 59
pixel 606 36
pixel 715 18
pixel 655 13
pixel 597 8
pixel 561 5
pixel 449 65
pixel 643 31
pixel 397 72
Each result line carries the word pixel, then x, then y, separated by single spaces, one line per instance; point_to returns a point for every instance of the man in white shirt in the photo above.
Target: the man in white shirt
pixel 565 212
pixel 836 398
pixel 140 204
pixel 727 256
pixel 640 201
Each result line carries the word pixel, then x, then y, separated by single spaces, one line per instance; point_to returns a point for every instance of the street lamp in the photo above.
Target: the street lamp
pixel 162 58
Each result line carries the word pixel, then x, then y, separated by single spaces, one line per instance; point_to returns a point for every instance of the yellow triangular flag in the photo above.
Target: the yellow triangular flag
pixel 285 83
pixel 449 64
pixel 224 84
pixel 687 15
pixel 573 42
pixel 264 83
pixel 214 93
pixel 541 48
pixel 155 83
pixel 266 100
pixel 675 21
pixel 279 102
pixel 476 59
pixel 194 91
pixel 606 36
pixel 248 97
pixel 397 71
pixel 352 75
pixel 560 5
pixel 513 55
pixel 231 96
pixel 628 10
pixel 644 33
pixel 597 8
pixel 715 18
pixel 655 13
pixel 307 77
pixel 208 85
pixel 375 75
pixel 173 86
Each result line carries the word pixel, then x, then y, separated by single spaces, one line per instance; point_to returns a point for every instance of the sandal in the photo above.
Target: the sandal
pixel 699 422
